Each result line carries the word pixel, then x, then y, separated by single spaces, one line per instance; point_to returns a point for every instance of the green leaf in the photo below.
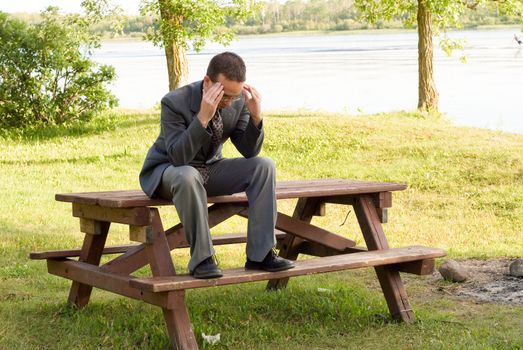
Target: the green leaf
pixel 46 77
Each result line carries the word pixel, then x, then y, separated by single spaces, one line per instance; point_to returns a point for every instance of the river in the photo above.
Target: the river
pixel 350 72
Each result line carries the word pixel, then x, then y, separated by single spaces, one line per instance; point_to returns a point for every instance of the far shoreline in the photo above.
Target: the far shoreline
pixel 517 27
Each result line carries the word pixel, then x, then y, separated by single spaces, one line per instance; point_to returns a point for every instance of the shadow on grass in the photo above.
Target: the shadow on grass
pixel 108 122
pixel 20 240
pixel 72 160
pixel 116 323
pixel 247 316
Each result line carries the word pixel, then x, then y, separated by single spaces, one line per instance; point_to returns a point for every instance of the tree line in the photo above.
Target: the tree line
pixel 293 15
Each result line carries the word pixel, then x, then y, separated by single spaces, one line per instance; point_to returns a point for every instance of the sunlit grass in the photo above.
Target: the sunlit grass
pixel 465 195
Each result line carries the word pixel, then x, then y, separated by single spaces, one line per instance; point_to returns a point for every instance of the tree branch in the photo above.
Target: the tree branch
pixel 471 5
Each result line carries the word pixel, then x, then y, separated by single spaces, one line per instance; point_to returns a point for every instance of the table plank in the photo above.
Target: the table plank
pixel 284 190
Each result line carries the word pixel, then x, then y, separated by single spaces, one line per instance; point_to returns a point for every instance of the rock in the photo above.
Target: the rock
pixel 516 268
pixel 452 271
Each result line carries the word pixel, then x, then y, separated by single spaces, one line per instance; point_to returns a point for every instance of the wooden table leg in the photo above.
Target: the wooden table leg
pixel 304 211
pixel 176 318
pixel 390 280
pixel 92 248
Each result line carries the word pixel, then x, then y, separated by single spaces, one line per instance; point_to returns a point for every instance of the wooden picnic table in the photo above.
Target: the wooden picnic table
pixel 295 235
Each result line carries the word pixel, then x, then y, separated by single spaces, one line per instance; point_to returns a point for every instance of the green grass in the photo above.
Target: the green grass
pixel 465 195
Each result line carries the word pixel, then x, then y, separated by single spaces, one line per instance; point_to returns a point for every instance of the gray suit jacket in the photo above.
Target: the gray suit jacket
pixel 184 141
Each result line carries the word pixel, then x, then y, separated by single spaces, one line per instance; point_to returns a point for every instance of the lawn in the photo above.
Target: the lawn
pixel 465 195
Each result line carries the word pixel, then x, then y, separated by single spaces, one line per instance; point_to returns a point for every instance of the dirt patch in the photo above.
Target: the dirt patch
pixel 489 282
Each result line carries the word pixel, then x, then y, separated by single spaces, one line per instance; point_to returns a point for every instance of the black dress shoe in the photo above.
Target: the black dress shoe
pixel 272 263
pixel 207 269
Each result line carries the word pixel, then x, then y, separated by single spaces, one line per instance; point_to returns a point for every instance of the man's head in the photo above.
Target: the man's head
pixel 229 64
pixel 228 69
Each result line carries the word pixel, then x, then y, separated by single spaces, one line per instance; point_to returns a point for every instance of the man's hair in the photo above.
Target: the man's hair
pixel 229 64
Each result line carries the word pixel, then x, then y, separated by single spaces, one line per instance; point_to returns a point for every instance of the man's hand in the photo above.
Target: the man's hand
pixel 253 103
pixel 210 100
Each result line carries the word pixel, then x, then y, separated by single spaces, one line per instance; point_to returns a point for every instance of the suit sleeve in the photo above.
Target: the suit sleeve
pixel 182 140
pixel 247 137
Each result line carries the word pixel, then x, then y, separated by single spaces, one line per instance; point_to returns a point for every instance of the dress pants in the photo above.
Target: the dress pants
pixel 256 176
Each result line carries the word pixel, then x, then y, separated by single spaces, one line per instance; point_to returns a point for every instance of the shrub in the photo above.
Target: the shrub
pixel 46 77
pixel 277 28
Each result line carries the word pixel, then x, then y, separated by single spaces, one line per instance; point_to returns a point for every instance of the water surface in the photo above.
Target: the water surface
pixel 353 73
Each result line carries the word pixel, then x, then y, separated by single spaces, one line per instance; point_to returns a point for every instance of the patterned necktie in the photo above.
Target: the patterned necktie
pixel 216 125
pixel 217 131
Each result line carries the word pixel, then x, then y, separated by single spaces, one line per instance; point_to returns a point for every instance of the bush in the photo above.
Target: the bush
pixel 277 28
pixel 45 79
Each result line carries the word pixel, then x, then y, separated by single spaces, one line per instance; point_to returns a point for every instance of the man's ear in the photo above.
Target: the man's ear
pixel 206 82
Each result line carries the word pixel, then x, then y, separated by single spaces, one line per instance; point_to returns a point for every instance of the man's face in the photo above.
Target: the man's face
pixel 231 89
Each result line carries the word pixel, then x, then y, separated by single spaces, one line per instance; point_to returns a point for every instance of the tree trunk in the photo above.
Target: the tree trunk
pixel 427 93
pixel 177 66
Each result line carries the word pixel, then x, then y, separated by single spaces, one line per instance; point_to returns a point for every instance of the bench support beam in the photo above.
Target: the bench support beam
pixel 83 273
pixel 421 267
pixel 389 278
pixel 312 233
pixel 316 249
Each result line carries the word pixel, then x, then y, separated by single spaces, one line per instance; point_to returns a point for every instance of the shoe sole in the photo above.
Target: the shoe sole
pixel 283 268
pixel 207 276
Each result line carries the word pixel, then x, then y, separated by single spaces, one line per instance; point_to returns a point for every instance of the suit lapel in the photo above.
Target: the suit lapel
pixel 196 96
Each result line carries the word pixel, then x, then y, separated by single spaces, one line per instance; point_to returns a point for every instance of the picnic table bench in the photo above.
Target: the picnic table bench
pixel 295 235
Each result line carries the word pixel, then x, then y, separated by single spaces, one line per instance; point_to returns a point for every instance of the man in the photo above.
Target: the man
pixel 185 163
